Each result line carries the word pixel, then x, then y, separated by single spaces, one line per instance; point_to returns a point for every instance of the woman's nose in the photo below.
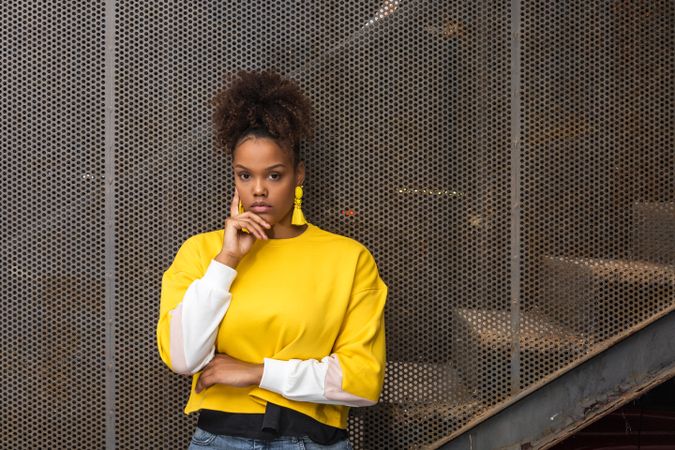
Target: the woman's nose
pixel 259 189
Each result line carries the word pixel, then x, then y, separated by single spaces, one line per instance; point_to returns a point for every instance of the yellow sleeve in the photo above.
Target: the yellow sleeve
pixel 360 345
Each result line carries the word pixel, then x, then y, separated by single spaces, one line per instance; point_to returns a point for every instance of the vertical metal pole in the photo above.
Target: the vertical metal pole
pixel 110 264
pixel 515 195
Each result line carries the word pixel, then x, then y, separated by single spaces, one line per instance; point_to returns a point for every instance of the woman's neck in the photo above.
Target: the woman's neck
pixel 286 230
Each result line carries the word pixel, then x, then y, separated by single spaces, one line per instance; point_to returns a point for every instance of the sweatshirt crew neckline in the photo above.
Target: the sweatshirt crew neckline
pixel 293 240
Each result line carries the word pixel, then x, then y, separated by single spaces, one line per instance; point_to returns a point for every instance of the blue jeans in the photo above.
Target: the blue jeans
pixel 203 439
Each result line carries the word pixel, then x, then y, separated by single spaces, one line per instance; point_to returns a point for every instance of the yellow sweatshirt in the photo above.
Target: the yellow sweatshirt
pixel 311 308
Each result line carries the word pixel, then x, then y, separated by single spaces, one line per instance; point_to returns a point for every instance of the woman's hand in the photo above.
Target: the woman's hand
pixel 236 243
pixel 224 369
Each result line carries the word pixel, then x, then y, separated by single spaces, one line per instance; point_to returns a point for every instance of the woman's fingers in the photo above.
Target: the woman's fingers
pixel 201 383
pixel 208 375
pixel 205 378
pixel 234 205
pixel 241 222
pixel 252 226
pixel 257 218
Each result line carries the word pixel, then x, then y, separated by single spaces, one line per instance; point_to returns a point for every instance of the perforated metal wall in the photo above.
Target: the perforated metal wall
pixel 598 175
pixel 51 282
pixel 510 166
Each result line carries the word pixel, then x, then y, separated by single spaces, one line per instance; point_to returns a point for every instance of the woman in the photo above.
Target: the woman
pixel 279 322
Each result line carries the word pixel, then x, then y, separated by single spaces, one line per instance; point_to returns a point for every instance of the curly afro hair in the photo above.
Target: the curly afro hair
pixel 261 104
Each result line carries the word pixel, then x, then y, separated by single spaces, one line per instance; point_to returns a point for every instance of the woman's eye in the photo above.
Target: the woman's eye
pixel 243 176
pixel 275 176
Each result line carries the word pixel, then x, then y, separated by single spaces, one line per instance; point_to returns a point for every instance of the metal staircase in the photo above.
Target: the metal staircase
pixel 607 324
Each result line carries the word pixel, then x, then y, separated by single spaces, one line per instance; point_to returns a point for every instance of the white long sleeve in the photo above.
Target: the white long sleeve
pixel 194 322
pixel 309 381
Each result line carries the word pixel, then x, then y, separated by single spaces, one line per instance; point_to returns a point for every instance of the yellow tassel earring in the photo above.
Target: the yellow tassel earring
pixel 241 210
pixel 298 216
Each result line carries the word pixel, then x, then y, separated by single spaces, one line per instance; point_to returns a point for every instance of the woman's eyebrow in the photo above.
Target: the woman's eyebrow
pixel 270 167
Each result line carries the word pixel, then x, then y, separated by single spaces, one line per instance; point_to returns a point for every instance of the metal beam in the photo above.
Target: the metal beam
pixel 579 397
pixel 109 232
pixel 516 244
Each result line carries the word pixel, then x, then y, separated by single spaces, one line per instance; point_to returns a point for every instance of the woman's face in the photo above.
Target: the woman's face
pixel 264 175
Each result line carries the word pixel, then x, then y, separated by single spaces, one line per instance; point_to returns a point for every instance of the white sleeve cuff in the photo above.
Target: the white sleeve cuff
pixel 295 379
pixel 275 373
pixel 220 276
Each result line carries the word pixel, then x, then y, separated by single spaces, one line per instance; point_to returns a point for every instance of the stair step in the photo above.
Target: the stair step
pixel 420 401
pixel 600 297
pixel 570 401
pixel 493 328
pixel 655 232
pixel 409 425
pixel 410 381
pixel 485 364
pixel 636 271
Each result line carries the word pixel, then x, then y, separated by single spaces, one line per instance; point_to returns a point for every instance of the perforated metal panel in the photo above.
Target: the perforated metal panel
pixel 599 174
pixel 510 166
pixel 51 286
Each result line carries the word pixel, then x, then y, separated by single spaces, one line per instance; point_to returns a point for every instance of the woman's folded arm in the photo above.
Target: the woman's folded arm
pixel 310 380
pixel 353 374
pixel 191 309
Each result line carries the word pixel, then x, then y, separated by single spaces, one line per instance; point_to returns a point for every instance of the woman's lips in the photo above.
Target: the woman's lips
pixel 260 208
